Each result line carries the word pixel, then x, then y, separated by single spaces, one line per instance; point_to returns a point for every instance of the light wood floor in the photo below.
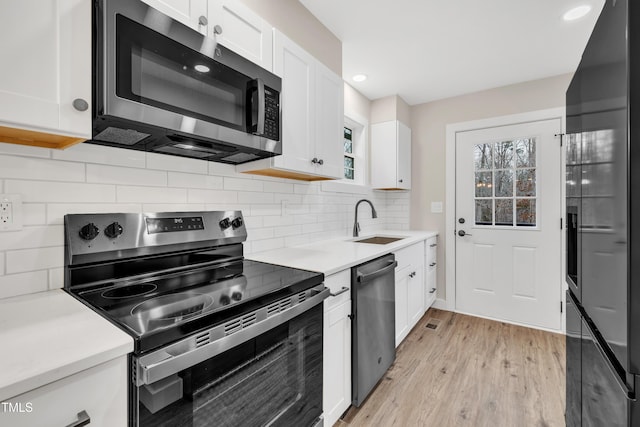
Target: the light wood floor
pixel 469 372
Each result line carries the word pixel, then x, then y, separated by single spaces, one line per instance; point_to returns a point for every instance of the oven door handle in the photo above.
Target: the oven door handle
pixel 184 354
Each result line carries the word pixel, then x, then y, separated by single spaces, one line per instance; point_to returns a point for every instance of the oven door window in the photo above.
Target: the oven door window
pixel 274 379
pixel 155 70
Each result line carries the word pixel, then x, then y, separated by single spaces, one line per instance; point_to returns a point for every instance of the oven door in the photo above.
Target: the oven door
pixel 271 378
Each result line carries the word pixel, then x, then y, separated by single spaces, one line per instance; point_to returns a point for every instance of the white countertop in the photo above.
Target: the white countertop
pixel 50 335
pixel 332 256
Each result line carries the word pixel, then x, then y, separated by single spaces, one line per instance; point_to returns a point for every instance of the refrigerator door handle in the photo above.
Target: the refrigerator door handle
pixel 630 395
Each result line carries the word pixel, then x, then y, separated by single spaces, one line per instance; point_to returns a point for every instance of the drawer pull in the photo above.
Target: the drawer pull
pixel 83 420
pixel 433 245
pixel 341 291
pixel 433 264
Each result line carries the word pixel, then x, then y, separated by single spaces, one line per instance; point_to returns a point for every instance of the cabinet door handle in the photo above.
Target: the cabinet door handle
pixel 432 290
pixel 83 420
pixel 80 104
pixel 400 180
pixel 433 245
pixel 217 29
pixel 433 264
pixel 341 291
pixel 203 20
pixel 320 162
pixel 314 160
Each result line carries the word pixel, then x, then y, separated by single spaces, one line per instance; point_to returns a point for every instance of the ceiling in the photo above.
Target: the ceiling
pixel 424 50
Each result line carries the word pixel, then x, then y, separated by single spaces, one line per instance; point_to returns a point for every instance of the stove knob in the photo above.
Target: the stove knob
pixel 237 222
pixel 236 296
pixel 224 300
pixel 89 231
pixel 113 230
pixel 225 223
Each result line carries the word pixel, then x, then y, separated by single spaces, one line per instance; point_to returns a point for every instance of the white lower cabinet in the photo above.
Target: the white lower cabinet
pixel 100 392
pixel 336 391
pixel 410 289
pixel 430 283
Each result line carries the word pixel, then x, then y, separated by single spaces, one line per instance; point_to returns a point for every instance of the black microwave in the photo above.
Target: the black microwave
pixel 162 87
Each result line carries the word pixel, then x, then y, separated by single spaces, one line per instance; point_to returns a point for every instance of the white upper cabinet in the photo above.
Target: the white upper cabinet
pixel 242 31
pixel 45 83
pixel 391 156
pixel 312 104
pixel 192 13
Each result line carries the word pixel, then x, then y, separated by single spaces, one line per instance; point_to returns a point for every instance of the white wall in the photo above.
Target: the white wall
pixel 90 178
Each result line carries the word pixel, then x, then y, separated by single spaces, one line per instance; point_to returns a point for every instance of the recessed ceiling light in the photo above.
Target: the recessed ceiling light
pixel 202 68
pixel 359 77
pixel 576 13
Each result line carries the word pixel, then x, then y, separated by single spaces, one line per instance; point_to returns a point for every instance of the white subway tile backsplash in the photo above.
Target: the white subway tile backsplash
pixel 34 214
pixel 56 192
pixel 242 184
pixel 192 180
pixel 56 278
pixel 254 197
pixel 131 194
pixel 177 164
pixel 278 187
pixel 260 210
pixel 172 207
pixel 104 174
pixel 24 150
pixel 21 261
pixel 57 211
pixel 92 153
pixel 91 178
pixel 45 169
pixel 218 197
pixel 266 244
pixel 24 283
pixel 32 237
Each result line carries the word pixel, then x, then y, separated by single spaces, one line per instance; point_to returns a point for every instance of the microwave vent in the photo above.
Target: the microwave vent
pixel 121 136
pixel 240 157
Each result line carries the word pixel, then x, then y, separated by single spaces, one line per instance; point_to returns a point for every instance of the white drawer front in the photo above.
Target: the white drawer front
pixel 337 283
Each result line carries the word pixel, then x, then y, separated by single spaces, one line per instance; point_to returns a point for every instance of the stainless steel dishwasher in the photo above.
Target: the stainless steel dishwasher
pixel 373 327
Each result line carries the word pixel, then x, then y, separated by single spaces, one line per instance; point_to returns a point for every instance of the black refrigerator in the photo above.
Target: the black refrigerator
pixel 603 224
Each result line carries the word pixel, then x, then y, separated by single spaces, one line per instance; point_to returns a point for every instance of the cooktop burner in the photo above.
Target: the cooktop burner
pixel 129 291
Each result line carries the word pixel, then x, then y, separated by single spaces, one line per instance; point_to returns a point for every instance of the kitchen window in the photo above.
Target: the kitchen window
pixel 354 149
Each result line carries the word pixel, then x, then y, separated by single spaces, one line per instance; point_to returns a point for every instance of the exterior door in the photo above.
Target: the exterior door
pixel 508 213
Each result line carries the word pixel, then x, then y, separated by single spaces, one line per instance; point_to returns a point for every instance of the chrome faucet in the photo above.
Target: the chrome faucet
pixel 356 226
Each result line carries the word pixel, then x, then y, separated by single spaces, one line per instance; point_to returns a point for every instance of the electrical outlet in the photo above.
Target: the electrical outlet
pixel 10 212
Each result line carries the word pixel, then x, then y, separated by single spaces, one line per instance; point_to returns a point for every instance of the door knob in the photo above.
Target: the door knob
pixel 462 233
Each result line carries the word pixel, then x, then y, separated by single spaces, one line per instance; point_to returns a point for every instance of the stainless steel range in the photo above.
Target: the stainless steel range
pixel 219 340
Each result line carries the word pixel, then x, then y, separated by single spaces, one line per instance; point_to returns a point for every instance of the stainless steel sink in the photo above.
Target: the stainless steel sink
pixel 379 240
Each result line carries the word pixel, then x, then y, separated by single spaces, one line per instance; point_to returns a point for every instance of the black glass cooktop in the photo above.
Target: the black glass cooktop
pixel 161 309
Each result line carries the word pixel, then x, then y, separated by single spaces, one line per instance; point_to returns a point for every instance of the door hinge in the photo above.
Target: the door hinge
pixel 561 135
pixel 560 306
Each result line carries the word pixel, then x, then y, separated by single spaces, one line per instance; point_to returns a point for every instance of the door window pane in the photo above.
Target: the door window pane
pixel 504 211
pixel 525 153
pixel 484 212
pixel 526 212
pixel 504 183
pixel 483 158
pixel 526 184
pixel 504 155
pixel 484 184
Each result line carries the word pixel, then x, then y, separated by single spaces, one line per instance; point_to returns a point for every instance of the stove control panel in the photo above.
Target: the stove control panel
pixel 102 235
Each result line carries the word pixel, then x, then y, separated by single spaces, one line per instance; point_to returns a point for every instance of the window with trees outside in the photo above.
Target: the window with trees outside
pixel 505 183
pixel 349 159
pixel 354 145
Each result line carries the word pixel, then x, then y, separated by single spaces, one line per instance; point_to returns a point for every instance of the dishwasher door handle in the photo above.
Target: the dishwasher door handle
pixel 384 270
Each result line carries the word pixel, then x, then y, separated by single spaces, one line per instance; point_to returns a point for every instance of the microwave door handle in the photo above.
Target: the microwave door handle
pixel 260 89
